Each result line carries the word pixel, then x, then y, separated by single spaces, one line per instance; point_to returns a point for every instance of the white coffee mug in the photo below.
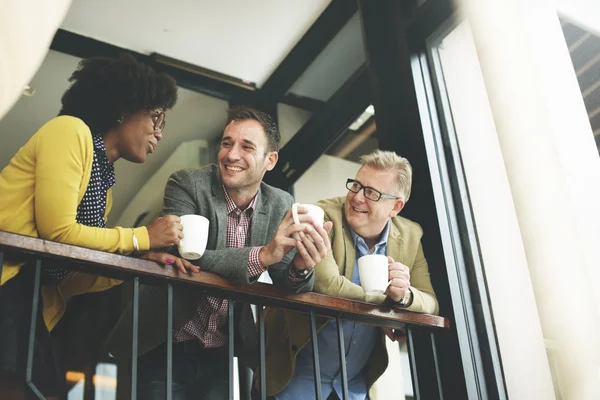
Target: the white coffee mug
pixel 195 236
pixel 373 273
pixel 316 212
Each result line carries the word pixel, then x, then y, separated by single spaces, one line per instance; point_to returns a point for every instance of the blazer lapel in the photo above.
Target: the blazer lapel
pixel 349 250
pixel 260 221
pixel 395 244
pixel 220 213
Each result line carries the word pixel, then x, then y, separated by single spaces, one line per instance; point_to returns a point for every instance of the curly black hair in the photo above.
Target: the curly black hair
pixel 104 89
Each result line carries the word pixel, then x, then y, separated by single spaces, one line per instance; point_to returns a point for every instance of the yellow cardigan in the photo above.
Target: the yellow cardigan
pixel 40 190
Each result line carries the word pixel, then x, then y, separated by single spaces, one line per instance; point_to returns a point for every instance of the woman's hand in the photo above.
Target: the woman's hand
pixel 182 264
pixel 165 231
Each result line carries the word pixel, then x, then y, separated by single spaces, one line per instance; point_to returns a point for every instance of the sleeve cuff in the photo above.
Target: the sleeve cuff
pixel 294 277
pixel 255 267
pixel 375 298
pixel 143 238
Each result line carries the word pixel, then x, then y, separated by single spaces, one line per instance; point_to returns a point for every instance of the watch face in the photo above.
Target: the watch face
pixel 300 273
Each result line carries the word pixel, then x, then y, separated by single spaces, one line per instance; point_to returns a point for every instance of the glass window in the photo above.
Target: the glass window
pixel 512 121
pixel 584 47
pixel 341 58
pixel 359 138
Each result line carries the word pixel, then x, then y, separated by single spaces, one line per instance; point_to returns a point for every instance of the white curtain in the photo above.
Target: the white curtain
pixel 553 170
pixel 26 30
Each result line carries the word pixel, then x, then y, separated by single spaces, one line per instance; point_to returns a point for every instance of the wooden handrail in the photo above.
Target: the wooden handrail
pixel 114 265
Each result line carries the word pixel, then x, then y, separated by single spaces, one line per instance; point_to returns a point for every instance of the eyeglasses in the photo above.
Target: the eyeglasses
pixel 158 117
pixel 370 193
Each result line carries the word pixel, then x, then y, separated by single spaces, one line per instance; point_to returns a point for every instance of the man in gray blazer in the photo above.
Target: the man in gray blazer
pixel 251 231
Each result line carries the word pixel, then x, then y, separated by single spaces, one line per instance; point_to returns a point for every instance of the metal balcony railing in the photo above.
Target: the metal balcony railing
pixel 260 294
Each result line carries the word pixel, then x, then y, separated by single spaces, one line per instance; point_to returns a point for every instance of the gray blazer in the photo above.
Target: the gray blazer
pixel 199 191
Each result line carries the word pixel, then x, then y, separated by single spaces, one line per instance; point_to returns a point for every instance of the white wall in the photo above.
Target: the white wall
pixel 290 119
pixel 149 199
pixel 326 178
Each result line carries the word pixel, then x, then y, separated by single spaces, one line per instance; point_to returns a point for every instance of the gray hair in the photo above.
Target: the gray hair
pixel 388 160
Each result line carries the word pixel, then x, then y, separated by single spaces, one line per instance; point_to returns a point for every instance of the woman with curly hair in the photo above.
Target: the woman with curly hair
pixel 58 187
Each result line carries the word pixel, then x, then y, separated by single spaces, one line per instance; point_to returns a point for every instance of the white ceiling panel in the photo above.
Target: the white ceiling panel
pixel 342 57
pixel 241 38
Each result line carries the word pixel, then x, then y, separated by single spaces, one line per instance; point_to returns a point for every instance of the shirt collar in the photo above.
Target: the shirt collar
pixel 382 240
pixel 107 170
pixel 231 207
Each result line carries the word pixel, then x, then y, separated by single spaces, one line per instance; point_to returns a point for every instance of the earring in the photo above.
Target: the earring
pixel 120 120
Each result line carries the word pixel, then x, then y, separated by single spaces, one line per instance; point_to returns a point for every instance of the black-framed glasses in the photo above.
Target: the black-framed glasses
pixel 158 117
pixel 370 193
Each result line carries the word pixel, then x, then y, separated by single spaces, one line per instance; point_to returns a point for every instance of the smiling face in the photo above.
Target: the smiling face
pixel 243 157
pixel 368 218
pixel 137 137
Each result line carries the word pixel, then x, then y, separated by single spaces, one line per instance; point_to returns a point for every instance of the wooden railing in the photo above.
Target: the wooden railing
pixel 123 267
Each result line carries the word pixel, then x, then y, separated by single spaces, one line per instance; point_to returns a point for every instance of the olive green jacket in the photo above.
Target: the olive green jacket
pixel 287 332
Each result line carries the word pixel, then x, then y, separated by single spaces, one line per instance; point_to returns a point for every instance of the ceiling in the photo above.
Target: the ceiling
pixel 243 39
pixel 240 38
pixel 342 57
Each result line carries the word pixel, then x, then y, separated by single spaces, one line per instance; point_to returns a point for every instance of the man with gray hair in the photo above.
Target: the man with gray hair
pixel 365 222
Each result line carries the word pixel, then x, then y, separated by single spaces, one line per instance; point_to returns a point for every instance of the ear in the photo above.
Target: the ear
pixel 271 160
pixel 398 206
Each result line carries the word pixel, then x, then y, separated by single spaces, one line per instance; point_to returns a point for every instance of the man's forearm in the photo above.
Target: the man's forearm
pixel 230 263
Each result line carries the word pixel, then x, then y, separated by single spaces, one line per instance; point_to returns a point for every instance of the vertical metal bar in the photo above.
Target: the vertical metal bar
pixel 89 390
pixel 413 363
pixel 342 351
pixel 315 351
pixel 134 345
pixel 32 329
pixel 437 367
pixel 231 347
pixel 169 341
pixel 1 263
pixel 261 335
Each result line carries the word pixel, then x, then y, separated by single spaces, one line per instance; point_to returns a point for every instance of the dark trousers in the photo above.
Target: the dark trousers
pixel 201 375
pixel 16 297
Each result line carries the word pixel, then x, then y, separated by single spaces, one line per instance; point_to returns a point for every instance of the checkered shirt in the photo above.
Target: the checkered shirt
pixel 211 314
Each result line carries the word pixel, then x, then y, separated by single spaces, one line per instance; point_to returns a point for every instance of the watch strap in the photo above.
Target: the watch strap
pixel 301 273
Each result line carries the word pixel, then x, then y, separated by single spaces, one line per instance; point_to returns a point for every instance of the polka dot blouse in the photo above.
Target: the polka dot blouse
pixel 91 210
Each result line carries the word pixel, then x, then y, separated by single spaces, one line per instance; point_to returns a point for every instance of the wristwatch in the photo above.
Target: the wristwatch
pixel 301 273
pixel 407 299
